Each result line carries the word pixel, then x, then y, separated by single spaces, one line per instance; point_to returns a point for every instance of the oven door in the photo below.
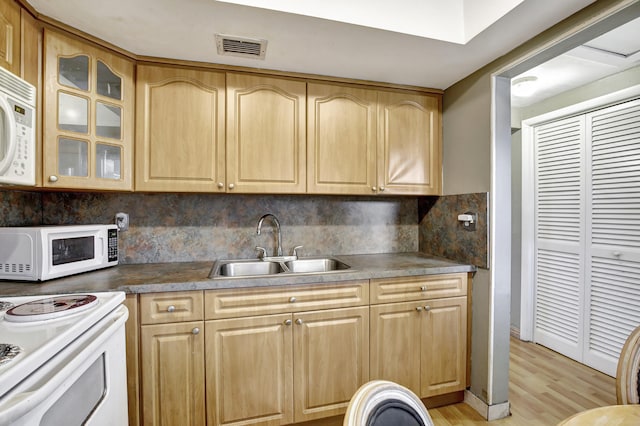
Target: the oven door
pixel 84 384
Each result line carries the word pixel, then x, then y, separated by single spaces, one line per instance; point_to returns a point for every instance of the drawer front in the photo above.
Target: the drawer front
pixel 263 301
pixel 160 308
pixel 406 289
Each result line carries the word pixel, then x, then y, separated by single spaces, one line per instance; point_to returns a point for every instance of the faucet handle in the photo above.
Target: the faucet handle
pixel 263 252
pixel 295 250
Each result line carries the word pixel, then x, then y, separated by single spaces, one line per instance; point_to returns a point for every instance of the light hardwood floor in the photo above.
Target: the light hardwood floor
pixel 544 388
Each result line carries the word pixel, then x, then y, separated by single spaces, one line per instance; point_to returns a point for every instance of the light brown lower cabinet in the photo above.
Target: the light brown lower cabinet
pixel 173 374
pixel 426 328
pixel 283 355
pixel 281 369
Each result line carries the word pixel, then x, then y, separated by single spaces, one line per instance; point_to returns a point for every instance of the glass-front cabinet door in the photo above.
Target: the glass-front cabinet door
pixel 88 116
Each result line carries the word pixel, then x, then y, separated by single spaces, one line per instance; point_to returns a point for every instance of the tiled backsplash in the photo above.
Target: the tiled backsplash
pixel 188 227
pixel 441 234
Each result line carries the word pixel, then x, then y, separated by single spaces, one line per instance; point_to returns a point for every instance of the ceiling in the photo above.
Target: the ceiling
pixel 608 54
pixel 426 43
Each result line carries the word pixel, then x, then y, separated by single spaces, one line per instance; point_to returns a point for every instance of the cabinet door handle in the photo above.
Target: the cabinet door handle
pixel 423 288
pixel 427 308
pixel 287 322
pixel 220 185
pixel 381 188
pixel 231 186
pixel 299 321
pixel 195 330
pixel 419 309
pixel 374 189
pixel 53 178
pixel 292 299
pixel 171 308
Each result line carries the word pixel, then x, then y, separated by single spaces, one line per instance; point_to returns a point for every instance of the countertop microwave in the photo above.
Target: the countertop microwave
pixel 42 253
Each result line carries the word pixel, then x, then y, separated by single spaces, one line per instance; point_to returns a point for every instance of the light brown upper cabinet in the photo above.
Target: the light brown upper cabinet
pixel 341 130
pixel 180 143
pixel 266 145
pixel 365 141
pixel 88 116
pixel 10 36
pixel 409 143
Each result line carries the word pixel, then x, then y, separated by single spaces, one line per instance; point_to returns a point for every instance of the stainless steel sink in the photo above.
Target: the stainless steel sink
pixel 315 265
pixel 258 267
pixel 243 268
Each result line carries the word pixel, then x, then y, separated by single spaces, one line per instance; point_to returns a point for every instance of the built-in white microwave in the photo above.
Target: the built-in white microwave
pixel 42 253
pixel 17 130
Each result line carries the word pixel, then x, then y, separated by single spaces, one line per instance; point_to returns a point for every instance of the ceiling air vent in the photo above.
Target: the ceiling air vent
pixel 240 46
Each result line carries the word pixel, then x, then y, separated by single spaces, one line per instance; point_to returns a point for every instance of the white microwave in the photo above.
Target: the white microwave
pixel 17 130
pixel 42 253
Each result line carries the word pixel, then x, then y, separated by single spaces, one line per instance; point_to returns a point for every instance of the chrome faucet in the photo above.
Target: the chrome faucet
pixel 277 223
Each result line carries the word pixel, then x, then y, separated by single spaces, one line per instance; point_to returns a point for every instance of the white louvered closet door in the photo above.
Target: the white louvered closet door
pixel 613 245
pixel 559 229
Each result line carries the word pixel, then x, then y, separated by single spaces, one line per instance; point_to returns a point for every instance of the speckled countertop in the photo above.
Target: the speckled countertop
pixel 156 277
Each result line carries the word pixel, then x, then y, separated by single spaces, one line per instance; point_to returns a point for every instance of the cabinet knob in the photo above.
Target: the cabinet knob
pixel 292 299
pixel 427 308
pixel 423 288
pixel 195 330
pixel 617 254
pixel 299 321
pixel 381 188
pixel 374 189
pixel 53 178
pixel 419 309
pixel 288 322
pixel 220 185
pixel 231 186
pixel 171 308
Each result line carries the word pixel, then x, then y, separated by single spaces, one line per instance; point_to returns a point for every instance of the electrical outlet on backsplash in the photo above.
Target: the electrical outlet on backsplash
pixel 443 235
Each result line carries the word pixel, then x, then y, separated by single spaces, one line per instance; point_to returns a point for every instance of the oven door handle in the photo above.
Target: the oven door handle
pixel 19 404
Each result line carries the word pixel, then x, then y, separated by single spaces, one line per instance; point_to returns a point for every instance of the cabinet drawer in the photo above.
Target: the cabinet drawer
pixel 261 301
pixel 160 308
pixel 416 288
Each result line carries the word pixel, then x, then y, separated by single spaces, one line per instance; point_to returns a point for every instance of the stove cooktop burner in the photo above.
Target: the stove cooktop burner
pixel 8 352
pixel 5 305
pixel 49 308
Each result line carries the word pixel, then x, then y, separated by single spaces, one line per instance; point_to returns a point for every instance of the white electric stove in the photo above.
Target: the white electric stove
pixel 62 360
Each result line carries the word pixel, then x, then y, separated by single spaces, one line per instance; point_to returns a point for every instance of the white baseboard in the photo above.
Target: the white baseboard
pixel 489 412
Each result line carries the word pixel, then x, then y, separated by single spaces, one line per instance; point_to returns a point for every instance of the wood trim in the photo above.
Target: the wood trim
pixel 132 341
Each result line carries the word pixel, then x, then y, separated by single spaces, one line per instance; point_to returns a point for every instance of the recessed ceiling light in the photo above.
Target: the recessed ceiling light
pixel 524 86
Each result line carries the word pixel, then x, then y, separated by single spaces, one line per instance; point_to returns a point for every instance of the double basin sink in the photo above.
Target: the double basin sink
pixel 257 267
